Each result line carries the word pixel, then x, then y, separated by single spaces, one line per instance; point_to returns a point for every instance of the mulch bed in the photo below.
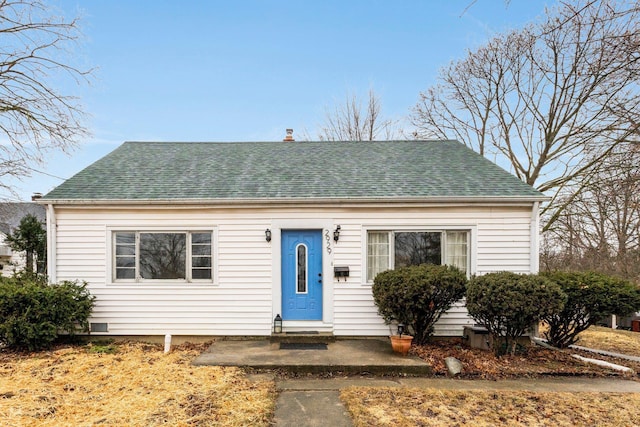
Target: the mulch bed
pixel 533 362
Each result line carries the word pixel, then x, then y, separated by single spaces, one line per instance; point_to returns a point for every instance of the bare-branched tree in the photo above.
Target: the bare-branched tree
pixel 35 57
pixel 353 121
pixel 550 101
pixel 600 227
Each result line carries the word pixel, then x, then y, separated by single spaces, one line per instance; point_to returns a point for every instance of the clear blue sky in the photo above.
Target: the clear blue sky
pixel 247 70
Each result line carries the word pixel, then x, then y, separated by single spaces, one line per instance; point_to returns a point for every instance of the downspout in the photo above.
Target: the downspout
pixel 535 238
pixel 535 248
pixel 52 228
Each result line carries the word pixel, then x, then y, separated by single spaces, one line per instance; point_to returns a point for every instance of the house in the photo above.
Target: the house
pixel 10 216
pixel 219 238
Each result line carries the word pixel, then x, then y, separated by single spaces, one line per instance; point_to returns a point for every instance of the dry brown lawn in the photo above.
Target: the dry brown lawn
pixel 615 340
pixel 430 407
pixel 138 385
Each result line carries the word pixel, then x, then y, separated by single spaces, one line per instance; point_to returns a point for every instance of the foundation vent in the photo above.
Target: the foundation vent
pixel 99 327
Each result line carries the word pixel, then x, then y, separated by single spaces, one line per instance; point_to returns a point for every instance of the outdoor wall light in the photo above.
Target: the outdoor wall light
pixel 277 324
pixel 267 235
pixel 336 233
pixel 401 329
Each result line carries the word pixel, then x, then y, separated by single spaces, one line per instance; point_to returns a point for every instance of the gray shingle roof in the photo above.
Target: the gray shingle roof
pixel 386 170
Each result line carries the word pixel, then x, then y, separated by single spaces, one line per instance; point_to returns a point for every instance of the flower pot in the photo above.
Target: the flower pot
pixel 401 343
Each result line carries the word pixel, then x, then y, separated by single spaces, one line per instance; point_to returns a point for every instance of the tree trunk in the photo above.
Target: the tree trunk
pixel 29 257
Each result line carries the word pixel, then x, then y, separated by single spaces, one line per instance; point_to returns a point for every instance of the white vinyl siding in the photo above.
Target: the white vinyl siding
pixel 245 295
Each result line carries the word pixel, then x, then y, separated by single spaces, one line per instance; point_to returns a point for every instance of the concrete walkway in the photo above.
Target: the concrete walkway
pixel 310 408
pixel 606 353
pixel 574 384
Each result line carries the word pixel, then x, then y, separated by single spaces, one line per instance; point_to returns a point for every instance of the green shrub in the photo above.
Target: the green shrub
pixel 417 296
pixel 509 304
pixel 590 297
pixel 33 314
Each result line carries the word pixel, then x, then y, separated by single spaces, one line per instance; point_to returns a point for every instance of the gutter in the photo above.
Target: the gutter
pixel 52 228
pixel 301 201
pixel 535 238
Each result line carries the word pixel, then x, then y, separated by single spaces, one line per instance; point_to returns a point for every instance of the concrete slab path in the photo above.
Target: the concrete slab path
pixel 575 384
pixel 311 408
pixel 354 356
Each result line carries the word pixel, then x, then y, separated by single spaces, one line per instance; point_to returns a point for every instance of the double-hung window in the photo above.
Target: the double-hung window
pixel 391 249
pixel 156 256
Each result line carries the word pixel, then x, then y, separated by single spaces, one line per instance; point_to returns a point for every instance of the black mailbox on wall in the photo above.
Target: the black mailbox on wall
pixel 341 272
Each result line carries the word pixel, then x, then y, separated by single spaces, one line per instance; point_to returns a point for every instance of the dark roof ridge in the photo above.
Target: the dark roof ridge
pixel 297 142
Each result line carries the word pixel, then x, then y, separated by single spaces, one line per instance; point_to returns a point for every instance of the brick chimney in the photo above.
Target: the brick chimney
pixel 289 137
pixel 36 196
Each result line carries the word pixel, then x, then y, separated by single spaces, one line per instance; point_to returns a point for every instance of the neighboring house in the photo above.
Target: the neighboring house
pixel 219 238
pixel 10 216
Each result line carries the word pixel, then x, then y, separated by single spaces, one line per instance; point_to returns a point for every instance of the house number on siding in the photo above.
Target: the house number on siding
pixel 328 239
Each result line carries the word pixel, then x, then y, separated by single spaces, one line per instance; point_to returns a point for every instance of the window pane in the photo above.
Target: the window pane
pixel 201 249
pixel 163 255
pixel 201 262
pixel 125 261
pixel 125 238
pixel 302 269
pixel 201 255
pixel 201 273
pixel 201 238
pixel 377 253
pixel 125 273
pixel 457 249
pixel 125 255
pixel 125 250
pixel 413 248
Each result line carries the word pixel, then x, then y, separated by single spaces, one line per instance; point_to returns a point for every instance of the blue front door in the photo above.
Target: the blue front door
pixel 302 274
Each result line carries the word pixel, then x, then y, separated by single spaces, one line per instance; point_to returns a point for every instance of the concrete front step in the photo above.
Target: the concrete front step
pixel 372 356
pixel 303 337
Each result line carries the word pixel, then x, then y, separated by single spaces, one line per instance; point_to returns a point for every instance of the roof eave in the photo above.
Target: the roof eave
pixel 301 200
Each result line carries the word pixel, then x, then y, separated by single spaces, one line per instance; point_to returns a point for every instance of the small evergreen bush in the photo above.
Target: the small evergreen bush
pixel 509 304
pixel 417 296
pixel 590 297
pixel 34 314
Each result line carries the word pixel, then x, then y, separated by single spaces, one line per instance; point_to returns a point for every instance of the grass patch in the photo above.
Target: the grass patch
pixel 430 407
pixel 128 384
pixel 615 340
pixel 102 347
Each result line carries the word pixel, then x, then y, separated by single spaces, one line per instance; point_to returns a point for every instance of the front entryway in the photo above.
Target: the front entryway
pixel 302 274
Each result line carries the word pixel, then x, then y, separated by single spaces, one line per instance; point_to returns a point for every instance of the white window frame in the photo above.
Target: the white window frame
pixel 471 233
pixel 111 253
